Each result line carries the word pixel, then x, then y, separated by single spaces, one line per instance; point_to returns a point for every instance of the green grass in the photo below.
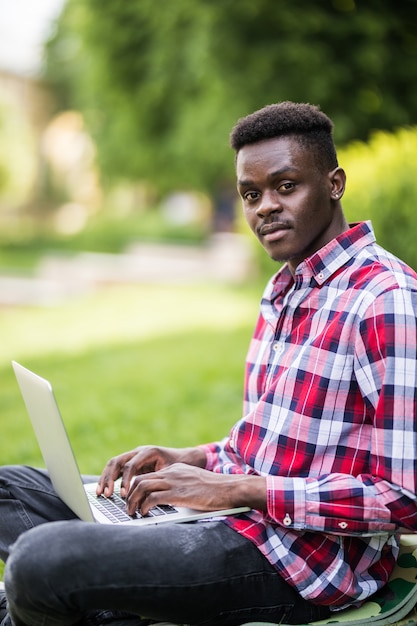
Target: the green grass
pixel 176 390
pixel 129 366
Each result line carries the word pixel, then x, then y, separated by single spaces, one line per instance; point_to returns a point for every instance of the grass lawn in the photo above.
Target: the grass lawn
pixel 130 365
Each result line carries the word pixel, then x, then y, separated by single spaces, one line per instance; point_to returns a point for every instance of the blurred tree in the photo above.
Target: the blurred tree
pixel 162 83
pixel 18 157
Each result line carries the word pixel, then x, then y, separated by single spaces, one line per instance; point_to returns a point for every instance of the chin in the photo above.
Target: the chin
pixel 279 257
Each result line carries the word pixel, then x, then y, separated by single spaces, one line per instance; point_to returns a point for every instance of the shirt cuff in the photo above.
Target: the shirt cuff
pixel 286 501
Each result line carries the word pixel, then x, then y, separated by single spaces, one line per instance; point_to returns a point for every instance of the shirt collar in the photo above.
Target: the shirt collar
pixel 321 265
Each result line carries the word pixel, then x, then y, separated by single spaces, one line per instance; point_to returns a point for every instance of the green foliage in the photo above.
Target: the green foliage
pixel 162 83
pixel 382 186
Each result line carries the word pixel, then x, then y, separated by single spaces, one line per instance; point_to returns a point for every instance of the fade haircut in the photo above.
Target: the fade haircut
pixel 306 122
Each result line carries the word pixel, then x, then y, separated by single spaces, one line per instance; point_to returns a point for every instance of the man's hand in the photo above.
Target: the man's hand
pixel 183 485
pixel 144 460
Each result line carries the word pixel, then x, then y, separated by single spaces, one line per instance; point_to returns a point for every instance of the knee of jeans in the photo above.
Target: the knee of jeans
pixel 6 471
pixel 16 474
pixel 36 559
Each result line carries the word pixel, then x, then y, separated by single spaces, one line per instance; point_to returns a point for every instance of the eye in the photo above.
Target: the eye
pixel 251 196
pixel 286 187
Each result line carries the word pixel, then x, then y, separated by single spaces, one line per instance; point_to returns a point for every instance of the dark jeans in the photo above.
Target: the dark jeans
pixel 197 573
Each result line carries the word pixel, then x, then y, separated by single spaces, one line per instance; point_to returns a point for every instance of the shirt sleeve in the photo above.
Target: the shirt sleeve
pixel 221 458
pixel 383 499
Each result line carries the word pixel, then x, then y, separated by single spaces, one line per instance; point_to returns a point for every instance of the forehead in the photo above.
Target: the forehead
pixel 273 155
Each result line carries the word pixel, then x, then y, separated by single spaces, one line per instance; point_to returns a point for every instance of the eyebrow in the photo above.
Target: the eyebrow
pixel 283 170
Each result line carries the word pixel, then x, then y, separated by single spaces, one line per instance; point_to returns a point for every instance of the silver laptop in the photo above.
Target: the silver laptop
pixel 59 459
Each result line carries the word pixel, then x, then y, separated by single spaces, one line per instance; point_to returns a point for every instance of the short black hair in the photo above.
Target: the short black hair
pixel 306 122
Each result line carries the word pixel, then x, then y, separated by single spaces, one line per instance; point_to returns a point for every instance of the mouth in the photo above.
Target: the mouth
pixel 273 231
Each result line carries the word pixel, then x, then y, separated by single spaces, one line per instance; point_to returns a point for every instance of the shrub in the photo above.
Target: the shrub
pixel 382 187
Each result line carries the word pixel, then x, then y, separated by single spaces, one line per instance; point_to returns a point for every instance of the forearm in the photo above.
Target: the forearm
pixel 239 489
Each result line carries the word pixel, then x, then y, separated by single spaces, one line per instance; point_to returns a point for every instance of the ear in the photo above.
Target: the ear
pixel 337 183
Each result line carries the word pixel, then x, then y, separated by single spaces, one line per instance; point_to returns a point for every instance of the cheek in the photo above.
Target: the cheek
pixel 250 218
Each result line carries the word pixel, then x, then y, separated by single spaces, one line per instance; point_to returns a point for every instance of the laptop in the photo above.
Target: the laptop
pixel 61 464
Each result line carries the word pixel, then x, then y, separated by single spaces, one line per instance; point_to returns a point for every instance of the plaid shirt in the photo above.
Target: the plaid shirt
pixel 330 419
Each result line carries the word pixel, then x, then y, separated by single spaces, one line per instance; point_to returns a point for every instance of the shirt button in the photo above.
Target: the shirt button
pixel 343 525
pixel 287 521
pixel 278 347
pixel 320 275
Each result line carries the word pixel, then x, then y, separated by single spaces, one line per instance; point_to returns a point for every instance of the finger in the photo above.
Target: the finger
pixel 127 475
pixel 131 468
pixel 146 493
pixel 142 462
pixel 111 472
pixel 153 499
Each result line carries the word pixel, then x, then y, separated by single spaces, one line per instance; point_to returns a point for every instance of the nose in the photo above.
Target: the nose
pixel 270 203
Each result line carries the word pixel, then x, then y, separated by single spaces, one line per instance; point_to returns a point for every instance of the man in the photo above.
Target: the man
pixel 325 453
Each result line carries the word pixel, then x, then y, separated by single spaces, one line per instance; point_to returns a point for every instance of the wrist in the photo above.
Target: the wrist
pixel 251 491
pixel 194 456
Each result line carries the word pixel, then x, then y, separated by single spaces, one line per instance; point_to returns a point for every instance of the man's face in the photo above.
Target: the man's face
pixel 287 200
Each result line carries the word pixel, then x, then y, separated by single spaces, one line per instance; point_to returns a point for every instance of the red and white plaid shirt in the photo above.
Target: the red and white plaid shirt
pixel 330 419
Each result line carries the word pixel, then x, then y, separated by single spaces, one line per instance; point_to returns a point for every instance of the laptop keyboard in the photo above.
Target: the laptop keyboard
pixel 114 508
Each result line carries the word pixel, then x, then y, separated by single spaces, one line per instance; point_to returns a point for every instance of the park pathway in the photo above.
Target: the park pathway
pixel 225 258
